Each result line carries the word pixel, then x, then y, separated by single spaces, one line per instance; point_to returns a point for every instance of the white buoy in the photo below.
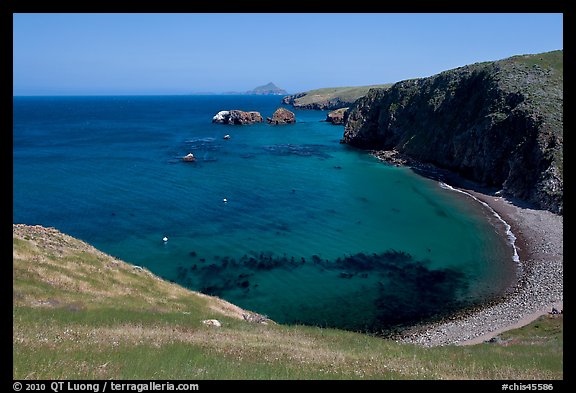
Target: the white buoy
pixel 165 239
pixel 225 200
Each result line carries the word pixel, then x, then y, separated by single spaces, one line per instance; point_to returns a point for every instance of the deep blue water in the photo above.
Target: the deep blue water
pixel 313 232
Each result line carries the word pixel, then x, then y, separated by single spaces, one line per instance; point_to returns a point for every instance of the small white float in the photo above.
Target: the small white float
pixel 164 239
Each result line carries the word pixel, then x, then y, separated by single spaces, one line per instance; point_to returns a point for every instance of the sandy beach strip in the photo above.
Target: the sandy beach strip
pixel 539 242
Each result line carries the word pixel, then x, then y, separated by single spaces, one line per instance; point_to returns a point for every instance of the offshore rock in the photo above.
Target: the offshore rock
pixel 282 116
pixel 187 158
pixel 221 117
pixel 497 123
pixel 237 117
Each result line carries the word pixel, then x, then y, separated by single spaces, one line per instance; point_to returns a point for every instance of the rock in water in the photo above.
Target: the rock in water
pixel 338 116
pixel 237 117
pixel 189 158
pixel 282 116
pixel 241 117
pixel 221 117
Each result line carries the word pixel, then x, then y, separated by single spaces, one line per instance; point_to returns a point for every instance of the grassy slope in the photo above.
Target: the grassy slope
pixel 345 94
pixel 79 313
pixel 553 60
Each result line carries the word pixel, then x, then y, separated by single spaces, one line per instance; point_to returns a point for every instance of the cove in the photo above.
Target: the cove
pixel 313 232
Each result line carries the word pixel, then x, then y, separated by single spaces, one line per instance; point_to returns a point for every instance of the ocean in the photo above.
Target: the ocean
pixel 281 220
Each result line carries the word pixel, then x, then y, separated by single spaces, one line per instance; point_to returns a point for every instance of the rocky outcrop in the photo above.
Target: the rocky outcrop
pixel 221 117
pixel 498 123
pixel 338 116
pixel 282 116
pixel 237 117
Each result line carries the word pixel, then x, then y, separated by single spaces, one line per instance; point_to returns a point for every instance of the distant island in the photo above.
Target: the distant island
pixel 269 89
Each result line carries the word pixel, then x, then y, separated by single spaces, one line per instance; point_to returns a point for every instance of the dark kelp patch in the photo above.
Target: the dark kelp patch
pixel 394 288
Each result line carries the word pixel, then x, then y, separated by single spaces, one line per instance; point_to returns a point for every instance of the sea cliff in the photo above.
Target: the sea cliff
pixel 498 123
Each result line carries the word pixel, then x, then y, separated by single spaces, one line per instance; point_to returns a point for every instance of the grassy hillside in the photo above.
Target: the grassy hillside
pixel 329 97
pixel 551 60
pixel 79 313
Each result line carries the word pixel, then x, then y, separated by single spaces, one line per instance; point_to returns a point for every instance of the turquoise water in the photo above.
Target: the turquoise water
pixel 312 232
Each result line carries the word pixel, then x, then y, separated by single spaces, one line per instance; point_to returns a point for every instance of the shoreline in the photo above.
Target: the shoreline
pixel 538 288
pixel 539 241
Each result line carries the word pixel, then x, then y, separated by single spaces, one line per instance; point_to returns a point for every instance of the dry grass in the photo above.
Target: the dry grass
pixel 72 271
pixel 345 95
pixel 79 313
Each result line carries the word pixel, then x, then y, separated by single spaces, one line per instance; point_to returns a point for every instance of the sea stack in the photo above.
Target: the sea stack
pixel 237 117
pixel 282 116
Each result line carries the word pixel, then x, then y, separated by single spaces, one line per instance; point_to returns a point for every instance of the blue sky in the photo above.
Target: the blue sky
pixel 85 54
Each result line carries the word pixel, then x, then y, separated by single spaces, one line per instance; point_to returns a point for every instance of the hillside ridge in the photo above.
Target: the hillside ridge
pixel 329 98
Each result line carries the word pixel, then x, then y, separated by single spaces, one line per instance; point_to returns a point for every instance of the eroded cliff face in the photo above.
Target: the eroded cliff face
pixel 498 123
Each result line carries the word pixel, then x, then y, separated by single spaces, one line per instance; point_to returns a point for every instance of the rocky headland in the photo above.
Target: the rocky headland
pixel 329 98
pixel 498 123
pixel 495 130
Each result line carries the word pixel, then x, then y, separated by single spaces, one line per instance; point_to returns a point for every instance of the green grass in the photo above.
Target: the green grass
pixel 122 323
pixel 551 60
pixel 347 94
